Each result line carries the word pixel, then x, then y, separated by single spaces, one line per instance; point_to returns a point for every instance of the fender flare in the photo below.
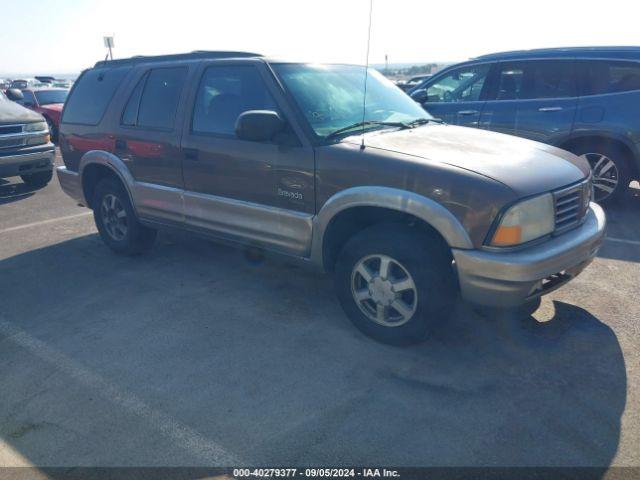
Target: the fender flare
pixel 430 211
pixel 110 161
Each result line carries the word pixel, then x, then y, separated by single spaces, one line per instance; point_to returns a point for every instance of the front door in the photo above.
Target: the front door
pixel 457 96
pixel 258 192
pixel 534 99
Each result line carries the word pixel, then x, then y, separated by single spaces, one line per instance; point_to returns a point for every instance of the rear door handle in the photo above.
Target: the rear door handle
pixel 191 153
pixel 468 112
pixel 550 109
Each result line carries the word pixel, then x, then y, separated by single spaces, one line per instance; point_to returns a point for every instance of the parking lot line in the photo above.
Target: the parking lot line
pixel 45 222
pixel 182 435
pixel 623 240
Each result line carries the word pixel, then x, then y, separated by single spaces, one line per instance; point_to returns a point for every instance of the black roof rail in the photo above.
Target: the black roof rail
pixel 195 55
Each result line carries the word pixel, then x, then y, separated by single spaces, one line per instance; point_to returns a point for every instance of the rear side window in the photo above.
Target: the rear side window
pixel 160 98
pixel 130 114
pixel 92 94
pixel 536 79
pixel 600 76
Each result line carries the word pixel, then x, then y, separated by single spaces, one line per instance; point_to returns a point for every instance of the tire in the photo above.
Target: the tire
pixel 116 220
pixel 412 255
pixel 37 180
pixel 611 168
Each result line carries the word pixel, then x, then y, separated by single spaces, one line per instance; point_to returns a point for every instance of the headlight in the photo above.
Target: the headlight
pixel 525 221
pixel 36 127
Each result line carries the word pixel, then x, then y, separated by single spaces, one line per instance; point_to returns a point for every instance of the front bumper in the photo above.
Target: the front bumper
pixel 71 185
pixel 506 279
pixel 27 163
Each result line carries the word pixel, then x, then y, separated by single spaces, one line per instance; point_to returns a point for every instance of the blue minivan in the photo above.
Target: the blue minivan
pixel 585 100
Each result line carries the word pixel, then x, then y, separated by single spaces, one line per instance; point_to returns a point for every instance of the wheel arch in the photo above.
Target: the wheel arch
pixel 349 211
pixel 611 140
pixel 96 165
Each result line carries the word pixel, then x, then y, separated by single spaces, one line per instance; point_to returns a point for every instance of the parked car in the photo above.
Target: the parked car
pixel 21 84
pixel 25 149
pixel 403 210
pixel 584 100
pixel 406 85
pixel 48 102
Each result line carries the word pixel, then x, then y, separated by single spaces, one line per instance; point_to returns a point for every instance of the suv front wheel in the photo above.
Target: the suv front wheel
pixel 116 220
pixel 395 284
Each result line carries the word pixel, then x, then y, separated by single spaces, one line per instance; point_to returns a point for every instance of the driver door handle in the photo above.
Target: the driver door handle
pixel 468 112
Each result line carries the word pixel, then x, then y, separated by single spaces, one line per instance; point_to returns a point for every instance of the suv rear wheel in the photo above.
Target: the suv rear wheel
pixel 610 168
pixel 395 284
pixel 37 180
pixel 116 220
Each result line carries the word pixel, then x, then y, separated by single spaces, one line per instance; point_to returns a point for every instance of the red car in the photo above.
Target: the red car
pixel 48 102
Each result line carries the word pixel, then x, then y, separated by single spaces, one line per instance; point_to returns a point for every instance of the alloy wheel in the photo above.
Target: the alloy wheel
pixel 384 290
pixel 605 175
pixel 114 217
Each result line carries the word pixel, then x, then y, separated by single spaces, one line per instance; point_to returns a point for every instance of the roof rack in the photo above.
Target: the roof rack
pixel 195 55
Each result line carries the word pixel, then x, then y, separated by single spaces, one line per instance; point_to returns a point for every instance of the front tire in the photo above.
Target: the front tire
pixel 116 220
pixel 395 283
pixel 37 180
pixel 611 171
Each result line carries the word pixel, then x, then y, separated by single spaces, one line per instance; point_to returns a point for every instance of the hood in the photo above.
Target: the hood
pixel 11 112
pixel 53 107
pixel 527 167
pixel 53 110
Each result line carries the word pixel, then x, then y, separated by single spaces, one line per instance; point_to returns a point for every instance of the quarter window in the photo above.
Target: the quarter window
pixel 224 93
pixel 130 114
pixel 462 85
pixel 92 94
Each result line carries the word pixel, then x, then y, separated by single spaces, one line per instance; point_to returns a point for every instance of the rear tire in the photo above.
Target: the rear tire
pixel 401 302
pixel 116 220
pixel 611 170
pixel 37 180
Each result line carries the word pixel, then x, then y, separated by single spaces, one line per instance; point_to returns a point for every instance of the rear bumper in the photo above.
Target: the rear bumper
pixel 26 163
pixel 71 185
pixel 513 278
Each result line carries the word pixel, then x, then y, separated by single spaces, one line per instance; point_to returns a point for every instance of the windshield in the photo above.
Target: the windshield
pixel 331 97
pixel 47 97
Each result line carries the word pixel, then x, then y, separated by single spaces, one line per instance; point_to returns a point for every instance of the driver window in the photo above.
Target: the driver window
pixel 462 85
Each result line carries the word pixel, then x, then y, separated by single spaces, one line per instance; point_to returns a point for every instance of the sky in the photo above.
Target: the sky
pixel 66 36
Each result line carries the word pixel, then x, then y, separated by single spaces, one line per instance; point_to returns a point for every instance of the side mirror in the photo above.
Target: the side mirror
pixel 420 96
pixel 259 125
pixel 14 94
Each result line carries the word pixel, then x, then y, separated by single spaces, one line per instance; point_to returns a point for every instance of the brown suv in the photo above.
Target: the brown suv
pixel 405 211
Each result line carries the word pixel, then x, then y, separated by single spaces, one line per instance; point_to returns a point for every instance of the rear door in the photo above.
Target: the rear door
pixel 457 97
pixel 260 192
pixel 147 140
pixel 534 99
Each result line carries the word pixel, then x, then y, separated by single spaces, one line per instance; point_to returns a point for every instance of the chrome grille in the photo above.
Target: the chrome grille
pixel 10 129
pixel 571 205
pixel 12 142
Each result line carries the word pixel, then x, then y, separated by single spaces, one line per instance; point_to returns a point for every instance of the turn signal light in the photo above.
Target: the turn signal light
pixel 507 236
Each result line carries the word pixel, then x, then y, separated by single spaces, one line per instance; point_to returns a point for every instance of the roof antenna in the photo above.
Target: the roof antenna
pixel 366 74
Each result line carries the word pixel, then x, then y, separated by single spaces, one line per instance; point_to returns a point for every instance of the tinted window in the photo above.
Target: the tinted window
pixel 462 85
pixel 29 99
pixel 47 97
pixel 535 79
pixel 130 114
pixel 92 95
pixel 599 77
pixel 226 92
pixel 160 98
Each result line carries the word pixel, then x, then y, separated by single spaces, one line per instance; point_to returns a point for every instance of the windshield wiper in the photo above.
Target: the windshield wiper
pixel 366 123
pixel 423 121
